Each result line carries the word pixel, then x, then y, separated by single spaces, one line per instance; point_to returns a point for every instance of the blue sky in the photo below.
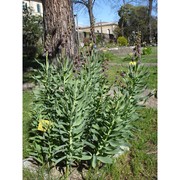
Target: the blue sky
pixel 102 12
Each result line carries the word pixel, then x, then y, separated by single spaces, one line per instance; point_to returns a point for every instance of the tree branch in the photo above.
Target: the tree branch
pixel 83 2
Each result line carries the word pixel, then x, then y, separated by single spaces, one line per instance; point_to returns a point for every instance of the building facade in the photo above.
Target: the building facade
pixel 36 6
pixel 101 27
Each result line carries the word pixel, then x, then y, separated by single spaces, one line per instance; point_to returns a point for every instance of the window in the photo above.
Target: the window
pixel 85 34
pixel 38 8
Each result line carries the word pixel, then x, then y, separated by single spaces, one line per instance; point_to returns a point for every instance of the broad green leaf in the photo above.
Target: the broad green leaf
pixel 58 160
pixel 38 159
pixel 94 161
pixel 84 157
pixel 113 143
pixel 105 159
pixel 89 144
pixel 96 126
pixel 78 122
pixel 79 129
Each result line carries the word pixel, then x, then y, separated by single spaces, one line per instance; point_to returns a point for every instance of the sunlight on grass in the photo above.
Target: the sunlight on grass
pixel 114 71
pixel 114 58
pixel 27 100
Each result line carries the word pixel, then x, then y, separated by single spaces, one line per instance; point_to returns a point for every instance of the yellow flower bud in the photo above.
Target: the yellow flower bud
pixel 132 63
pixel 43 125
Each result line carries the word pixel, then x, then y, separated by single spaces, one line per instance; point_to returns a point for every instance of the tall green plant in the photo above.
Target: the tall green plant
pixel 86 122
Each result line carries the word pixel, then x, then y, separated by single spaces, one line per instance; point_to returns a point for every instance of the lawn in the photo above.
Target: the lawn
pixel 27 106
pixel 115 70
pixel 118 58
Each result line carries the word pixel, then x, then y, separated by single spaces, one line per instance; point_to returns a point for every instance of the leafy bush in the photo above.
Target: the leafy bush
pixel 147 50
pixel 32 34
pixel 122 41
pixel 99 39
pixel 85 121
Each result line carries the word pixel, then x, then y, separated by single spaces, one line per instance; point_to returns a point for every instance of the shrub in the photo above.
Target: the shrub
pixel 147 50
pixel 122 41
pixel 83 121
pixel 32 34
pixel 99 39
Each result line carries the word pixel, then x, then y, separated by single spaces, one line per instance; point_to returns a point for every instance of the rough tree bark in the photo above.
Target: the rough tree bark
pixel 60 35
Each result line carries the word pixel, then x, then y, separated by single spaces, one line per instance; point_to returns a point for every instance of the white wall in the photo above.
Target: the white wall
pixel 33 4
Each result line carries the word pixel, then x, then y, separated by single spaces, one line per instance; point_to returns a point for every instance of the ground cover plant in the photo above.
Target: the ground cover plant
pixel 85 123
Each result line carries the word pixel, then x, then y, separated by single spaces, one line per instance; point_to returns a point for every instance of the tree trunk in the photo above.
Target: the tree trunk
pixel 149 21
pixel 60 35
pixel 91 17
pixel 122 28
pixel 122 25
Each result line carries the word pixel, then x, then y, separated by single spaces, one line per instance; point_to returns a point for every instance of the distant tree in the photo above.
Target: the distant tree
pixel 89 5
pixel 59 27
pixel 154 29
pixel 117 31
pixel 152 7
pixel 123 13
pixel 150 4
pixel 32 33
pixel 134 18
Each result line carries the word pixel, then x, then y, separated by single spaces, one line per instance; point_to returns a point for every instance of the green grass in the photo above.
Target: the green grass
pixel 114 71
pixel 114 58
pixel 152 80
pixel 27 100
pixel 140 163
pixel 151 58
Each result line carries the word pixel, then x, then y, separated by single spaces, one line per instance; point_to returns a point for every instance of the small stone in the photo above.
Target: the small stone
pixel 30 164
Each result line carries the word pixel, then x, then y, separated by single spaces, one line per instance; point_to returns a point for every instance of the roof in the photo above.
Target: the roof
pixel 99 24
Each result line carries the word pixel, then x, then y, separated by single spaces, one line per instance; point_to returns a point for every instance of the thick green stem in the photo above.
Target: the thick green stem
pixel 67 171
